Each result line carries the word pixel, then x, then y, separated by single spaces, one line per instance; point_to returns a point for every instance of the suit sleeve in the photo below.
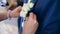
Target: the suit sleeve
pixel 52 19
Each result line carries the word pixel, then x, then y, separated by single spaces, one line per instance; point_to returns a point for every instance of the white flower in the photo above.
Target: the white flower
pixel 31 5
pixel 26 7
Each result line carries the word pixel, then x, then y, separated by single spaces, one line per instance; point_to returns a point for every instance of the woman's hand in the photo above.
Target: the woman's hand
pixel 15 12
pixel 30 25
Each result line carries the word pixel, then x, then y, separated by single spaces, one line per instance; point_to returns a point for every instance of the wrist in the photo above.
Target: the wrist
pixel 3 16
pixel 8 14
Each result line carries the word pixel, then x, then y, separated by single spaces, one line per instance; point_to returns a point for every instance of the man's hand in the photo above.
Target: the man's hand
pixel 12 5
pixel 30 25
pixel 15 12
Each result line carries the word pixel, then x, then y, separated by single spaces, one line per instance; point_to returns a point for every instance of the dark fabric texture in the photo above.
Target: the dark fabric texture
pixel 48 16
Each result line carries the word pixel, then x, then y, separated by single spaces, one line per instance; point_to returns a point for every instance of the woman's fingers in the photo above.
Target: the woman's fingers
pixel 31 16
pixel 18 9
pixel 15 12
pixel 35 17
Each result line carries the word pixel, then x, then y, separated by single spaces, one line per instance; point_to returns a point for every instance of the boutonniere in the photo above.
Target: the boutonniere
pixel 26 7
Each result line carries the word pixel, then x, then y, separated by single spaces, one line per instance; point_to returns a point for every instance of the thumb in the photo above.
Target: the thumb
pixel 18 9
pixel 31 16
